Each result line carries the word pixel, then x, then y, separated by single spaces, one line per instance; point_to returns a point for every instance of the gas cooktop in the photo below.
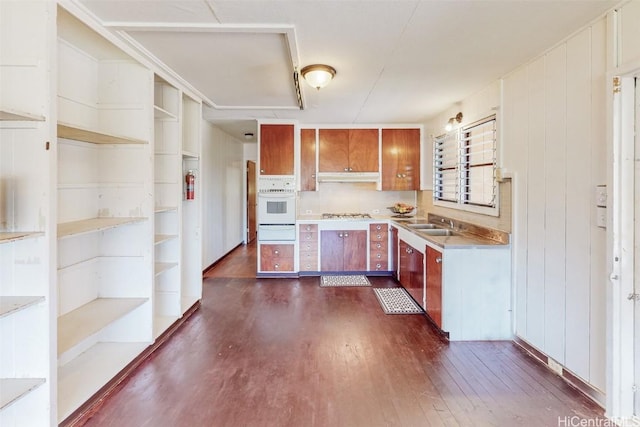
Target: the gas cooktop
pixel 345 216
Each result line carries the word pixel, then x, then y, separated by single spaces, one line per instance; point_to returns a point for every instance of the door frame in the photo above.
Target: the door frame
pixel 251 226
pixel 620 248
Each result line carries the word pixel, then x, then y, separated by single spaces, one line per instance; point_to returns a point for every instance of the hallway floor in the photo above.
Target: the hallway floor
pixel 285 352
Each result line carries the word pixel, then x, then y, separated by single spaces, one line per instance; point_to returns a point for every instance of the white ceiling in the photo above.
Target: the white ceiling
pixel 397 61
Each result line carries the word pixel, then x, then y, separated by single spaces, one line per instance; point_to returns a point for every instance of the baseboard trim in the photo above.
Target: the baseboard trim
pixel 216 262
pixel 597 396
pixel 81 415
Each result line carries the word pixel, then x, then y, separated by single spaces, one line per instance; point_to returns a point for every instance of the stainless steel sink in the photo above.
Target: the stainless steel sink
pixel 421 226
pixel 437 232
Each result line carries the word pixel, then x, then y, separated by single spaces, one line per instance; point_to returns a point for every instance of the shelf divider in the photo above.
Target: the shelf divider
pixel 10 305
pixel 9 114
pixel 92 225
pixel 12 236
pixel 78 133
pixel 92 317
pixel 13 389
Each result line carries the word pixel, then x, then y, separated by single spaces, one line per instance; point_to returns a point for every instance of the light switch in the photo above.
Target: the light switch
pixel 601 217
pixel 601 195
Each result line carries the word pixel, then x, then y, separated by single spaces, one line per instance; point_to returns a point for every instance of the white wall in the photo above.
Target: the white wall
pixel 552 140
pixel 223 176
pixel 554 134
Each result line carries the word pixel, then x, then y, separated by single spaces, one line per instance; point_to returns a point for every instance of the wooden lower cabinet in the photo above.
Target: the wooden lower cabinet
pixel 276 257
pixel 434 285
pixel 308 255
pixel 393 261
pixel 378 247
pixel 343 250
pixel 411 271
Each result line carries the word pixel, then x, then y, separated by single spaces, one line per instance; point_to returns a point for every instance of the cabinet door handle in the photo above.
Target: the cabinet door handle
pixel 378 266
pixel 379 246
pixel 409 250
pixel 379 256
pixel 346 169
pixel 339 234
pixel 346 234
pixel 261 170
pixel 308 228
pixel 313 175
pixel 276 252
pixel 276 266
pixel 438 260
pixel 378 227
pixel 379 236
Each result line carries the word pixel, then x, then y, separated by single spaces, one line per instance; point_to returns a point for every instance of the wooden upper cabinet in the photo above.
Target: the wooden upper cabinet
pixel 308 160
pixel 401 159
pixel 276 149
pixel 348 150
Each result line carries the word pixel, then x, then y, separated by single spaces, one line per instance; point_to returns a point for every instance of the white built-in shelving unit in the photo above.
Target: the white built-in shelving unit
pixel 99 252
pixel 27 214
pixel 105 208
pixel 168 188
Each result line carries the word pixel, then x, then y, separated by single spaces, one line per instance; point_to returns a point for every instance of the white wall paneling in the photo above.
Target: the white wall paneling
pixel 554 201
pixel 579 203
pixel 515 111
pixel 598 236
pixel 223 201
pixel 535 206
pixel 559 253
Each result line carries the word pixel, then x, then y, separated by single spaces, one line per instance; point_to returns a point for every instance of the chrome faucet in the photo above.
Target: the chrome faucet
pixel 450 222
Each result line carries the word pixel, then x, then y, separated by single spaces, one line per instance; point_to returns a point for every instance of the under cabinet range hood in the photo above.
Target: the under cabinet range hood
pixel 348 176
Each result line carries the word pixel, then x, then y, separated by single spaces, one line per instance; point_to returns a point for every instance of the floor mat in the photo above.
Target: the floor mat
pixel 353 280
pixel 396 301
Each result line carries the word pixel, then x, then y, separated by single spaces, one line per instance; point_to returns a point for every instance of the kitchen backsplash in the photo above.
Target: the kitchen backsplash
pixel 501 222
pixel 351 198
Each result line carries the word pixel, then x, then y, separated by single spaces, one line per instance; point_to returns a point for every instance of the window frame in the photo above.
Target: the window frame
pixel 458 140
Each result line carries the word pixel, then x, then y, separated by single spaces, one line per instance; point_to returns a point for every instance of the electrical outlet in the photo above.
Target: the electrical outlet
pixel 601 195
pixel 555 366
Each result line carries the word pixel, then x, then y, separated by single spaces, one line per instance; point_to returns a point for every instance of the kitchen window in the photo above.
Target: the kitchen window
pixel 465 168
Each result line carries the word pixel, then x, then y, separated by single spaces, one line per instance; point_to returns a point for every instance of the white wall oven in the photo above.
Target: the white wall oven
pixel 276 208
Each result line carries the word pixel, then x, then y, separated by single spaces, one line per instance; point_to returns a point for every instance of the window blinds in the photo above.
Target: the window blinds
pixel 465 165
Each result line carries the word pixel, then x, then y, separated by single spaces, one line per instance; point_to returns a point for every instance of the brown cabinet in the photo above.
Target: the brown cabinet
pixel 411 271
pixel 308 160
pixel 343 250
pixel 400 159
pixel 348 150
pixel 378 247
pixel 394 252
pixel 308 247
pixel 276 149
pixel 434 285
pixel 276 257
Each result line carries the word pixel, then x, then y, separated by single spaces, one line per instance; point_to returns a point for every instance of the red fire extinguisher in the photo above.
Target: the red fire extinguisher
pixel 190 179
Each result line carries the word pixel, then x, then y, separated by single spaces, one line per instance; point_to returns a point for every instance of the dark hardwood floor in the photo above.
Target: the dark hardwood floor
pixel 285 352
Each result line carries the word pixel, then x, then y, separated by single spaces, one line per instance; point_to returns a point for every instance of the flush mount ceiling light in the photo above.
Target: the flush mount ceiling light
pixel 452 121
pixel 318 75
